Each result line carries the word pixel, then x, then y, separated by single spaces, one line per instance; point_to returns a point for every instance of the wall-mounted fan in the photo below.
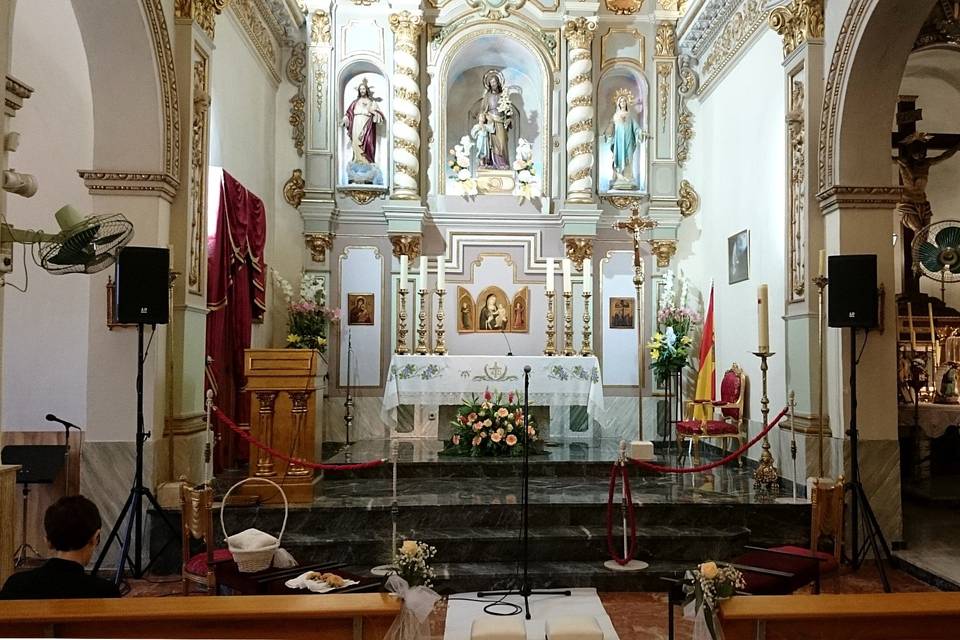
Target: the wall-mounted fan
pixel 936 252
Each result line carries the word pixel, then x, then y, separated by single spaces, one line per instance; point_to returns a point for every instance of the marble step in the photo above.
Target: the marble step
pixel 548 543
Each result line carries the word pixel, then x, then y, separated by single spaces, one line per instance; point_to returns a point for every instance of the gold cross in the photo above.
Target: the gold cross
pixel 636 225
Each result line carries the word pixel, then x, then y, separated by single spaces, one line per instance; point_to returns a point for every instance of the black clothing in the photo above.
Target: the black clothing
pixel 57 578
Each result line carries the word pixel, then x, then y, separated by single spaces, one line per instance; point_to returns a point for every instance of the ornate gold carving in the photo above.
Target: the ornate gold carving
pixel 318 244
pixel 624 202
pixel 320 28
pixel 580 101
pixel 664 250
pixel 319 76
pixel 362 196
pixel 130 182
pixel 296 74
pixel 689 200
pixel 198 166
pixel 583 125
pixel 579 31
pixel 293 188
pixel 408 245
pixel 663 90
pixel 168 86
pixel 684 132
pixel 203 12
pixel 624 7
pixel 495 9
pixel 666 44
pixel 689 81
pixel 255 25
pixel 581 149
pixel 406 25
pixel 578 249
pixel 797 194
pixel 797 22
pixel 672 5
pixel 737 31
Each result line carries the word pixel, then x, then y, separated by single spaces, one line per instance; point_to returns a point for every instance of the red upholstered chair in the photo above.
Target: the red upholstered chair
pixel 196 510
pixel 729 424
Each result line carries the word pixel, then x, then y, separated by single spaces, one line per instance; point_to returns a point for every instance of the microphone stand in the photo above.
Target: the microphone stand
pixel 525 589
pixel 348 404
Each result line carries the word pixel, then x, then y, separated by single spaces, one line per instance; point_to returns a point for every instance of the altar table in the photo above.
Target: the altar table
pixel 446 380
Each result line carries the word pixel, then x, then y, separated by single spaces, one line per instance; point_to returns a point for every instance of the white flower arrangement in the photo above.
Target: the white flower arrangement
pixel 411 561
pixel 706 586
pixel 504 106
pixel 527 186
pixel 460 166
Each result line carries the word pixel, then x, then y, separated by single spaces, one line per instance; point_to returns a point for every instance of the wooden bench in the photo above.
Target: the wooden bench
pixel 869 616
pixel 360 616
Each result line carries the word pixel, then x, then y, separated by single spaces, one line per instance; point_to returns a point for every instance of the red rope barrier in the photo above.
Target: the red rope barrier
pixel 631 517
pixel 279 454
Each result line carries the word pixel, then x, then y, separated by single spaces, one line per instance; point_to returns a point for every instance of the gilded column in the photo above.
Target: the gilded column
pixel 579 34
pixel 406 27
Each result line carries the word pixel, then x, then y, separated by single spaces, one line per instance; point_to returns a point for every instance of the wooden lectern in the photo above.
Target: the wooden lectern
pixel 283 387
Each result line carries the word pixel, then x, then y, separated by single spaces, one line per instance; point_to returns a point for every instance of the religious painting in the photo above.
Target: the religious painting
pixel 493 313
pixel 465 312
pixel 520 312
pixel 738 257
pixel 360 308
pixel 621 313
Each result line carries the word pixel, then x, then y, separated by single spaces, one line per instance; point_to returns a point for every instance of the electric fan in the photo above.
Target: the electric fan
pixel 936 252
pixel 84 245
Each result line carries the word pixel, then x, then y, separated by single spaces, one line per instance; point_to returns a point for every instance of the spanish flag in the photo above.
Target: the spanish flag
pixel 706 381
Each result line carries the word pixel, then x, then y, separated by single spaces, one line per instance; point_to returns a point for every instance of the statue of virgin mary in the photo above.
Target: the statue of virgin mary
pixel 624 134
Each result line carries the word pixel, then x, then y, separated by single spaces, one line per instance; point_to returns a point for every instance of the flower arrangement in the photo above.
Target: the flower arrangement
pixel 706 586
pixel 527 185
pixel 412 558
pixel 307 316
pixel 670 346
pixel 460 166
pixel 491 426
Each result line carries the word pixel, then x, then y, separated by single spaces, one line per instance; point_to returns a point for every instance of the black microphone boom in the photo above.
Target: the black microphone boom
pixel 69 425
pixel 503 332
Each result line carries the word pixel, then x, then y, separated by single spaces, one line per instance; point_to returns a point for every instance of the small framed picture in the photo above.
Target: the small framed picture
pixel 360 308
pixel 621 313
pixel 738 257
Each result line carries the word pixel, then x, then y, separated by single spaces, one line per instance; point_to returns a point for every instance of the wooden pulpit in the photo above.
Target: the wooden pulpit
pixel 283 386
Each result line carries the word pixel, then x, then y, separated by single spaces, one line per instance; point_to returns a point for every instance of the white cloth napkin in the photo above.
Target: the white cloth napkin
pixel 316 586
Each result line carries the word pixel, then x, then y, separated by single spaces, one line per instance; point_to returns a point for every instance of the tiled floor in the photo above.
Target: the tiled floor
pixel 932 542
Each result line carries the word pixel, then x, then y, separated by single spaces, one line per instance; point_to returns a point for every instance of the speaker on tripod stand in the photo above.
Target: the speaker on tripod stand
pixel 853 304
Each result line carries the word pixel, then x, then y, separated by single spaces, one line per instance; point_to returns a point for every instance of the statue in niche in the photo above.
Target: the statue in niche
pixel 482 132
pixel 498 111
pixel 624 134
pixel 361 120
pixel 914 208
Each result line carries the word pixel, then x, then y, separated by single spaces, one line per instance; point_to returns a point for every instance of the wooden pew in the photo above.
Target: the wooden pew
pixel 868 616
pixel 360 616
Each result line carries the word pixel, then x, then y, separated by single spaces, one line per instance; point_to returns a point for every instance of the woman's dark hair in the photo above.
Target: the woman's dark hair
pixel 70 522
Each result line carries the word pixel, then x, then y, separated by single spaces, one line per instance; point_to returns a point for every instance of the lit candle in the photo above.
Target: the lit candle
pixel 422 276
pixel 441 273
pixel 550 275
pixel 404 268
pixel 823 263
pixel 587 275
pixel 763 320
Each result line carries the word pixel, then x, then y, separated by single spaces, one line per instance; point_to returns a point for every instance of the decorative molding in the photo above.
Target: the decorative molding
pixel 579 31
pixel 320 38
pixel 294 188
pixel 578 249
pixel 255 23
pixel 203 12
pixel 579 34
pixel 282 20
pixel 296 74
pixel 736 33
pixel 623 7
pixel 797 22
pixel 664 69
pixel 688 200
pixel 320 28
pixel 163 54
pixel 797 190
pixel 679 6
pixel 16 93
pixel 408 245
pixel 685 132
pixel 318 244
pixel 664 250
pixel 609 61
pixel 689 80
pixel 406 28
pixel 360 195
pixel 666 43
pixel 495 9
pixel 703 27
pixel 198 167
pixel 140 183
pixel 624 203
pixel 859 197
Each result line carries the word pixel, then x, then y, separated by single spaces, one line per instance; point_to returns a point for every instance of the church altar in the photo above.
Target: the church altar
pixel 432 380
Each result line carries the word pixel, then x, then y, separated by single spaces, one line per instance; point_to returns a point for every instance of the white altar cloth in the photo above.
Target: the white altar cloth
pixel 447 380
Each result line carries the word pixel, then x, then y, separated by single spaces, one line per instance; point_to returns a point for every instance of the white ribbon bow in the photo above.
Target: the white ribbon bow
pixel 418 600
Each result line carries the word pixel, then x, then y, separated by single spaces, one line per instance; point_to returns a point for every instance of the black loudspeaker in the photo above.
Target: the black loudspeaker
pixel 853 291
pixel 142 285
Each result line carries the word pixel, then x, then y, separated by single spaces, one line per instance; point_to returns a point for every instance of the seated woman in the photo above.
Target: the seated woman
pixel 72 525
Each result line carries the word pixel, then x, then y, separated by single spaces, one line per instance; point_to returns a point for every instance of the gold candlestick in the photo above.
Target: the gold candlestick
pixel 441 347
pixel 422 348
pixel 766 475
pixel 568 323
pixel 821 282
pixel 585 349
pixel 402 323
pixel 551 348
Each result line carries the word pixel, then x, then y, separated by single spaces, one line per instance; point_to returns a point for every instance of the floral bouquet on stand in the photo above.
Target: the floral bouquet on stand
pixel 412 583
pixel 412 563
pixel 671 344
pixel 491 426
pixel 308 317
pixel 705 587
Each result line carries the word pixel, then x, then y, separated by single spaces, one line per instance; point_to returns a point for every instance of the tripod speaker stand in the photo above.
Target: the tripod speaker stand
pixel 525 589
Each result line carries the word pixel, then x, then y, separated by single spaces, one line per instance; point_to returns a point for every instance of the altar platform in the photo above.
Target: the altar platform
pixel 469 509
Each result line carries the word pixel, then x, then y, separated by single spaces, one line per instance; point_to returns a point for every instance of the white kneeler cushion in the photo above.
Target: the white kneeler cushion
pixel 574 628
pixel 498 628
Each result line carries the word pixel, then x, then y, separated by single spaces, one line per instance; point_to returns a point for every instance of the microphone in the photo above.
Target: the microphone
pixel 69 425
pixel 503 332
pixel 527 369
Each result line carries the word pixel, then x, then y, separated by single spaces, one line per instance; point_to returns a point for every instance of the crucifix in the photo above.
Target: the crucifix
pixel 911 148
pixel 635 225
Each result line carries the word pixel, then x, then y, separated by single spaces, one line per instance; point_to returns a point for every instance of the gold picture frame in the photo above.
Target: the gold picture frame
pixel 360 309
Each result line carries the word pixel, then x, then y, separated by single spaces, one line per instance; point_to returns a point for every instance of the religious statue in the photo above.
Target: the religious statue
pixel 498 111
pixel 361 120
pixel 914 208
pixel 481 132
pixel 948 394
pixel 623 134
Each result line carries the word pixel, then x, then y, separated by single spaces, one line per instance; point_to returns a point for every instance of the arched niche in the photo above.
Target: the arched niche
pixel 352 76
pixel 623 79
pixel 527 80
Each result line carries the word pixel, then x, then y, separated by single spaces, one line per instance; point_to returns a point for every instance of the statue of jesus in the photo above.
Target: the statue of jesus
pixel 499 112
pixel 361 120
pixel 914 208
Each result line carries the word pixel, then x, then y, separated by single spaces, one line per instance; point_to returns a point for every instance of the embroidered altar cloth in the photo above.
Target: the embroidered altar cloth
pixel 447 380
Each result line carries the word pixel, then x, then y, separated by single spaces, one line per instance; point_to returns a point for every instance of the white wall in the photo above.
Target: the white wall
pixel 45 333
pixel 737 166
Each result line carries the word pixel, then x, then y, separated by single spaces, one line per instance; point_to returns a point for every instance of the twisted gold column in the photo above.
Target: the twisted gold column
pixel 267 400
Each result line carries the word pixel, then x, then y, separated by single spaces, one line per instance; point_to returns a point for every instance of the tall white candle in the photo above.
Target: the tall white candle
pixel 550 274
pixel 823 263
pixel 587 275
pixel 763 320
pixel 422 276
pixel 404 270
pixel 441 273
pixel 567 282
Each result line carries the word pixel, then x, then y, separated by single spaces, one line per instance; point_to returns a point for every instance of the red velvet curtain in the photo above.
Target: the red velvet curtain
pixel 235 297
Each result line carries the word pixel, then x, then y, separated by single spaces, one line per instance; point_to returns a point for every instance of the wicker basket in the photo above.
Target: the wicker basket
pixel 253 560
